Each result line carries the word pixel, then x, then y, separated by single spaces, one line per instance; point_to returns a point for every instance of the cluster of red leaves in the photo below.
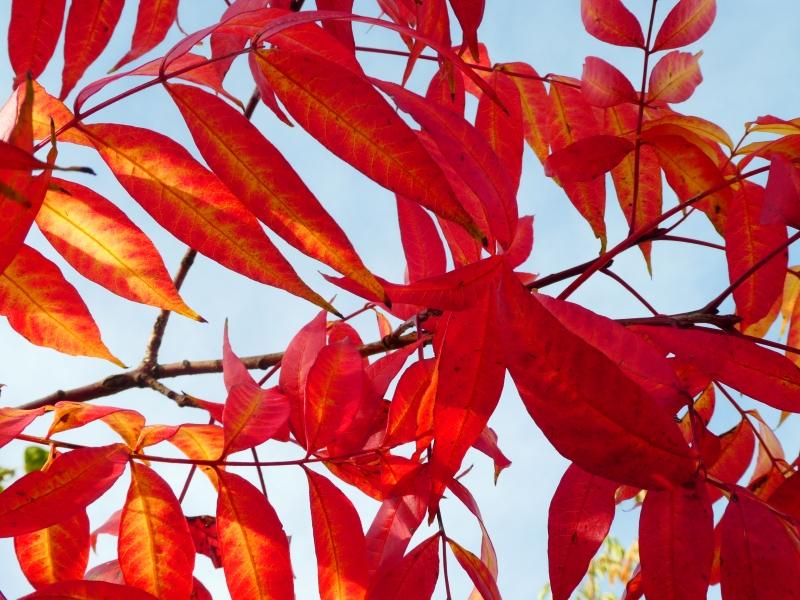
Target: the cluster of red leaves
pixel 456 183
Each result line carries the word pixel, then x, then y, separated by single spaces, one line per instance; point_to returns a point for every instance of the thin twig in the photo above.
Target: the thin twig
pixel 631 290
pixel 444 538
pixel 254 452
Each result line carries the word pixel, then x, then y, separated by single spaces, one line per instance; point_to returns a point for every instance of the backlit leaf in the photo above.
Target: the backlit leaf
pixel 392 528
pixel 193 205
pixel 338 540
pixel 674 78
pixel 69 415
pixel 33 32
pixel 253 169
pixel 782 195
pixel 156 552
pixel 56 553
pixel 347 116
pixel 71 482
pixel 469 14
pixel 580 516
pixel 602 84
pixel 104 245
pixel 45 309
pixel 201 442
pixel 413 578
pixel 687 22
pixel 611 22
pixel 478 572
pixel 88 590
pixel 422 245
pixel 535 106
pixel 676 543
pixel 153 21
pixel 587 158
pixel 90 25
pixel 735 455
pixel 14 420
pixel 254 547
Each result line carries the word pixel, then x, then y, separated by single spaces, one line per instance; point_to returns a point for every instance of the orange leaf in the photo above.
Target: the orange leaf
pixel 350 118
pixel 71 482
pixel 687 22
pixel 255 551
pixel 581 513
pixel 611 22
pixel 604 85
pixel 90 25
pixel 153 21
pixel 478 572
pixel 193 205
pixel 338 540
pixel 156 551
pixel 253 169
pixel 69 415
pixel 44 308
pixel 32 35
pixel 535 106
pixel 676 543
pixel 674 78
pixel 104 245
pixel 56 553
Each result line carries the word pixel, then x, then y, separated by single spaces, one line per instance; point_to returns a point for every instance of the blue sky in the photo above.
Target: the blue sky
pixel 750 68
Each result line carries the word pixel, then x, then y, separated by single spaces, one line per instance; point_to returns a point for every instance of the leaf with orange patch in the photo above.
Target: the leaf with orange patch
pixel 69 415
pixel 478 572
pixel 254 547
pixel 687 22
pixel 45 309
pixel 338 540
pixel 56 553
pixel 71 482
pixel 674 78
pixel 603 85
pixel 156 551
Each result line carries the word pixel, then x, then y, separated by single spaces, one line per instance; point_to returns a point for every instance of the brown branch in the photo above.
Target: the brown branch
pixel 134 378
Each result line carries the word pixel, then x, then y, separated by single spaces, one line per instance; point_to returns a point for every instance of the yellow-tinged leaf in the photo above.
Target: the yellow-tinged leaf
pixel 791 290
pixel 44 308
pixel 69 415
pixel 104 245
pixel 201 442
pixel 156 551
pixel 56 553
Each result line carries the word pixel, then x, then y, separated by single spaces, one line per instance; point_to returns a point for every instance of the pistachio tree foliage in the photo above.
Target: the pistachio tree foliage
pixel 627 401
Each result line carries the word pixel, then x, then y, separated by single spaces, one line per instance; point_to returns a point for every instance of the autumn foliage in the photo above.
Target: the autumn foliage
pixel 628 401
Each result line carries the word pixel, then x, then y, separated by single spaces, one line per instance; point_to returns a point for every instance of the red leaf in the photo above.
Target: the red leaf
pixel 33 32
pixel 676 543
pixel 604 422
pixel 674 78
pixel 45 309
pixel 17 159
pixel 782 195
pixel 471 374
pixel 415 383
pixel 156 552
pixel 755 371
pixel 413 578
pixel 253 169
pixel 193 205
pixel 469 154
pixel 206 537
pixel 90 25
pixel 602 84
pixel 747 244
pixel 501 125
pixel 487 443
pixel 392 528
pixel 341 30
pixel 255 550
pixel 105 246
pixel 488 553
pixel 687 22
pixel 300 354
pixel 535 106
pixel 338 540
pixel 204 442
pixel 736 453
pixel 153 21
pixel 55 553
pixel 609 21
pixel 348 116
pixel 759 558
pixel 422 245
pixel 581 513
pixel 110 526
pixel 88 590
pixel 587 158
pixel 469 14
pixel 14 420
pixel 71 482
pixel 333 394
pixel 108 572
pixel 478 572
pixel 69 415
pixel 569 119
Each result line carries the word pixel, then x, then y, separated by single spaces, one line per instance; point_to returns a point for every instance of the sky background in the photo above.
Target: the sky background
pixel 750 68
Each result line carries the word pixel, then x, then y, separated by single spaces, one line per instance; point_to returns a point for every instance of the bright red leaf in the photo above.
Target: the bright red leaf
pixel 687 22
pixel 674 78
pixel 153 21
pixel 611 22
pixel 602 84
pixel 33 32
pixel 587 158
